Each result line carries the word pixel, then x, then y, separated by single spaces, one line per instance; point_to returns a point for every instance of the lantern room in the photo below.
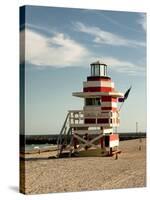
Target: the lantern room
pixel 98 69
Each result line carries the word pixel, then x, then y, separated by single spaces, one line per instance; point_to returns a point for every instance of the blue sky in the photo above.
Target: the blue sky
pixel 60 45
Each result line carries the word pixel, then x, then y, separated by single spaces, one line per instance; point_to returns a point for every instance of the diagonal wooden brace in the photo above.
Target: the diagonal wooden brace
pixel 80 138
pixel 86 142
pixel 94 139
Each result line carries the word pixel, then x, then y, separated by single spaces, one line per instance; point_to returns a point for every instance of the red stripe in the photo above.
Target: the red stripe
pixel 99 121
pixel 109 108
pixel 113 137
pixel 108 99
pixel 98 78
pixel 98 89
pixel 103 121
pixel 90 121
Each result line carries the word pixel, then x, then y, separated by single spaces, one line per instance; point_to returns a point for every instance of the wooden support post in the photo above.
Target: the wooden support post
pixel 75 142
pixel 110 152
pixel 116 158
pixel 102 142
pixel 71 143
pixel 140 144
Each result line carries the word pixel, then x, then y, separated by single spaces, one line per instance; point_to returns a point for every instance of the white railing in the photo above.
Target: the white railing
pixel 78 116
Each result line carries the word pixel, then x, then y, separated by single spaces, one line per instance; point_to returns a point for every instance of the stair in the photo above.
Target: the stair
pixel 64 138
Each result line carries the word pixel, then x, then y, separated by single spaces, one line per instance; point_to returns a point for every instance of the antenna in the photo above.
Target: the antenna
pixel 136 127
pixel 138 133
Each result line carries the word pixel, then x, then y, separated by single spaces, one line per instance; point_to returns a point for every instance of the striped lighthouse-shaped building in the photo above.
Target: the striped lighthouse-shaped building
pixel 92 129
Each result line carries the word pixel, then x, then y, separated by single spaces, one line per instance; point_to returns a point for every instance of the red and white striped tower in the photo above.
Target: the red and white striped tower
pixel 93 127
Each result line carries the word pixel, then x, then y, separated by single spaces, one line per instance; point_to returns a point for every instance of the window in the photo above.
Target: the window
pixel 97 70
pixel 92 70
pixel 105 70
pixel 102 70
pixel 88 102
pixel 97 101
pixel 93 102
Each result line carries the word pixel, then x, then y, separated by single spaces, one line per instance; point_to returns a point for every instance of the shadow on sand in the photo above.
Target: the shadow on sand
pixel 39 158
pixel 14 188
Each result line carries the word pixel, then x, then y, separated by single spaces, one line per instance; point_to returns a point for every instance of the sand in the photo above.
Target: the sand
pixel 43 175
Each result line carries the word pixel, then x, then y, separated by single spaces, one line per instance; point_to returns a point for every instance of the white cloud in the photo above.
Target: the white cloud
pixel 105 37
pixel 58 50
pixel 142 21
pixel 61 51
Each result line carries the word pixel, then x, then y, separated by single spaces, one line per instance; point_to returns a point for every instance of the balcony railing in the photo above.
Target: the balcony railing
pixel 77 117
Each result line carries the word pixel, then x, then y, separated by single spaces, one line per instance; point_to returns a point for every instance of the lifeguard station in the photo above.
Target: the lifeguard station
pixel 92 128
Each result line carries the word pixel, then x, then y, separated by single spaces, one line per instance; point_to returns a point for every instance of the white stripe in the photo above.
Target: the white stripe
pixel 109 130
pixel 109 104
pixel 98 84
pixel 114 143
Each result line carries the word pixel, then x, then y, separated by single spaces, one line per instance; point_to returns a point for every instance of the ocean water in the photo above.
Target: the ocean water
pixel 36 146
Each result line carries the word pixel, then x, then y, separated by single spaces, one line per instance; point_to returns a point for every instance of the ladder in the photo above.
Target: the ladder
pixel 64 137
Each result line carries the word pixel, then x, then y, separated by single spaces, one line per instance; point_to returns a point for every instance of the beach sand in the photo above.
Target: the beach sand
pixel 43 175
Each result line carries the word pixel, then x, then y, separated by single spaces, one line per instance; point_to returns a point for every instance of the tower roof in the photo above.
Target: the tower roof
pixel 98 63
pixel 97 94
